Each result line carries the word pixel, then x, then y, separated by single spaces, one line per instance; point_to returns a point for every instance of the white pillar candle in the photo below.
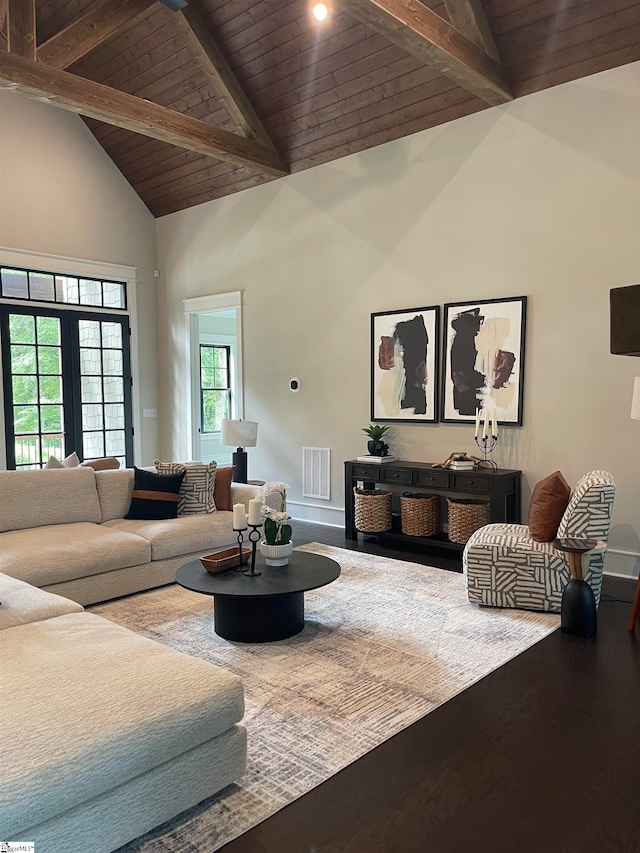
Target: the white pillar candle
pixel 239 517
pixel 495 423
pixel 255 505
pixel 485 427
pixel 477 422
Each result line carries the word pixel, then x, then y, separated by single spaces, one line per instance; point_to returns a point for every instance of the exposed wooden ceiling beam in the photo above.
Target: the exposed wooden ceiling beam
pixel 469 18
pixel 434 41
pixel 21 28
pixel 221 78
pixel 88 98
pixel 88 31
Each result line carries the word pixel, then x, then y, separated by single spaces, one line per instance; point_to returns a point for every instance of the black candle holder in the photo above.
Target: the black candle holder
pixel 487 444
pixel 254 538
pixel 239 531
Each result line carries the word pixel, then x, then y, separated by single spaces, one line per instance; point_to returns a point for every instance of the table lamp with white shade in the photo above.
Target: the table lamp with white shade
pixel 239 434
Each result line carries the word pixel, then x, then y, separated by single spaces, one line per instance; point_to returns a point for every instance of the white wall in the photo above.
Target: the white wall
pixel 61 195
pixel 538 198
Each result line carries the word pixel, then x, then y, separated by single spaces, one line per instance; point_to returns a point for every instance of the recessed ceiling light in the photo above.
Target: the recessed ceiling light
pixel 320 12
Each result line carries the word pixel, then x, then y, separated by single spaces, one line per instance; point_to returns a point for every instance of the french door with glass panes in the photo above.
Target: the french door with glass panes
pixel 67 385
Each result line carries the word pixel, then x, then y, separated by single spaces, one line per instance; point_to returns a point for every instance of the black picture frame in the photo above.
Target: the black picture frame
pixel 483 360
pixel 405 365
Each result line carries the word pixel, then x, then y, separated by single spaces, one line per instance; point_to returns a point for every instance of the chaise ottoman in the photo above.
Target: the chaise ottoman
pixel 106 734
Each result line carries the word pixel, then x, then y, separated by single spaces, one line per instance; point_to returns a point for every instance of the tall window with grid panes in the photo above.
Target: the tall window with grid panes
pixel 66 367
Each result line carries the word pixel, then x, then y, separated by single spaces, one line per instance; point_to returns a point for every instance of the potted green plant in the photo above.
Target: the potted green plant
pixel 376 446
pixel 277 546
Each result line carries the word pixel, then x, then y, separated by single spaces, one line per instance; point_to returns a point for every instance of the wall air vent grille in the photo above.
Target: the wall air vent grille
pixel 316 473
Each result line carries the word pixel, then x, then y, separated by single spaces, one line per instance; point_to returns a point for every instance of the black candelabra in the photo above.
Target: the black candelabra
pixel 487 444
pixel 254 538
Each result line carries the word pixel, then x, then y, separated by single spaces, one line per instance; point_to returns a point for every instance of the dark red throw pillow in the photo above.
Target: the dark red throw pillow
pixel 222 487
pixel 548 503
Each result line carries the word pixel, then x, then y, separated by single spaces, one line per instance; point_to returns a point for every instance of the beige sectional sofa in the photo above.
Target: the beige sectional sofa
pixel 105 734
pixel 65 530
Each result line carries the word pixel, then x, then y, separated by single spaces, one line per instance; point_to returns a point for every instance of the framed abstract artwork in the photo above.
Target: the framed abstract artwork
pixel 484 359
pixel 405 348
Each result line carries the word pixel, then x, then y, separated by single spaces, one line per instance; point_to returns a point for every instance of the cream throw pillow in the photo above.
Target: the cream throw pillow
pixel 70 461
pixel 196 491
pixel 52 462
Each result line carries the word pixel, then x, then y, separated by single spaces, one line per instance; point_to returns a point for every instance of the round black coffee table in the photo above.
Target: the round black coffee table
pixel 263 608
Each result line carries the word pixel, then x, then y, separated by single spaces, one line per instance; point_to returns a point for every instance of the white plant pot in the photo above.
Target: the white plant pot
pixel 276 555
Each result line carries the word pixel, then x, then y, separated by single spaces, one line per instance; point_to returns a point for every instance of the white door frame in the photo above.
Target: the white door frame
pixel 205 305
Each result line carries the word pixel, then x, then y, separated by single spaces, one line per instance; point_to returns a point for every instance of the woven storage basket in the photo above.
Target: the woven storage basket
pixel 420 514
pixel 372 510
pixel 465 517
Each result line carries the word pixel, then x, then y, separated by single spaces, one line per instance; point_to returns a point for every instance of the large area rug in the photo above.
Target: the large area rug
pixel 384 645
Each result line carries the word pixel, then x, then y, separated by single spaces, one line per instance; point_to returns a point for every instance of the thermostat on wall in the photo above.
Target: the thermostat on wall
pixel 294 385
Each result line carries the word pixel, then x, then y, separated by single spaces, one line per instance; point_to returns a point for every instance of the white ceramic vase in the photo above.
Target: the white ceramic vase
pixel 276 555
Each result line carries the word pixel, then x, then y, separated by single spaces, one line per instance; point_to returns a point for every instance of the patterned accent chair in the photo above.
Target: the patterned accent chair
pixel 504 567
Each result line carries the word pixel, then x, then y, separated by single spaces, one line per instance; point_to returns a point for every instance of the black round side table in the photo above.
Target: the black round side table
pixel 578 613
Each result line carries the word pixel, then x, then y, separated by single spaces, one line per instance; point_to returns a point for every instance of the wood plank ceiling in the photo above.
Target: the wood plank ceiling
pixel 227 94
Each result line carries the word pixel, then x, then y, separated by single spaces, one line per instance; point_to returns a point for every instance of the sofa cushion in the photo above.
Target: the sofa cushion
pixel 154 496
pixel 222 488
pixel 23 603
pixel 548 503
pixel 196 491
pixel 117 706
pixel 244 492
pixel 39 497
pixel 61 552
pixel 114 491
pixel 172 537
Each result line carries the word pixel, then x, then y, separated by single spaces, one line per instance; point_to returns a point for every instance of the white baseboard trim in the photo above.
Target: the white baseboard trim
pixel 317 514
pixel 631 578
pixel 622 564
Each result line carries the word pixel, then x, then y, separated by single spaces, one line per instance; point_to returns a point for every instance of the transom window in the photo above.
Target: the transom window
pixel 215 386
pixel 67 289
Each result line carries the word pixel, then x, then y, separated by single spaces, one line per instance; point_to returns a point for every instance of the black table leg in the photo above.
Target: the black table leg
pixel 578 613
pixel 264 619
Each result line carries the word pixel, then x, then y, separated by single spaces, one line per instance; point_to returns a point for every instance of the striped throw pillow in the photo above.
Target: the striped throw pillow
pixel 196 491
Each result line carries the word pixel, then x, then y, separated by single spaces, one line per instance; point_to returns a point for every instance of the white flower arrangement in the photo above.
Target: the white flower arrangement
pixel 276 531
pixel 274 488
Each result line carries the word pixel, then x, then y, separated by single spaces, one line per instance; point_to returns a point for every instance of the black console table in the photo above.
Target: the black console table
pixel 499 488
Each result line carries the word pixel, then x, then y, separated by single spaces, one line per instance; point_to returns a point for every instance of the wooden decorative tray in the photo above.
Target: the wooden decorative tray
pixel 220 561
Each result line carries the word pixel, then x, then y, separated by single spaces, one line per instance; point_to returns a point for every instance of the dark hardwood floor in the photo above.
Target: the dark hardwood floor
pixel 541 756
